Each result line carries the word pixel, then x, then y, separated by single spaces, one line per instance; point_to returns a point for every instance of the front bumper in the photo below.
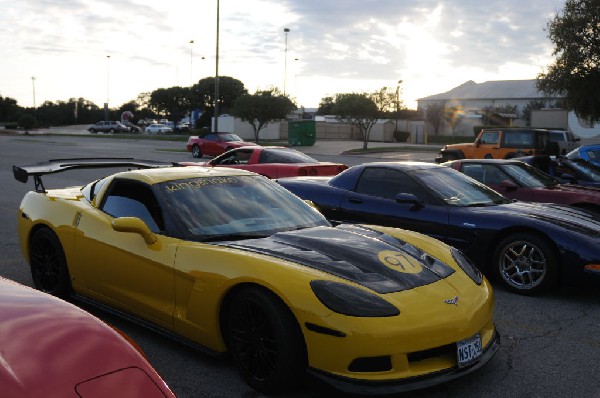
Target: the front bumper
pixel 362 387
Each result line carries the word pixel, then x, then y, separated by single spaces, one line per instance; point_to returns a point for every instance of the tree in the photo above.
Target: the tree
pixel 8 109
pixel 325 106
pixel 386 99
pixel 262 108
pixel 576 72
pixel 357 110
pixel 203 96
pixel 434 114
pixel 173 102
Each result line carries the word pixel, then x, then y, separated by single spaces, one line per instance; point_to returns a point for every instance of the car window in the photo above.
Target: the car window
pixel 387 183
pixel 126 198
pixel 241 156
pixel 210 137
pixel 490 137
pixel 528 176
pixel 518 139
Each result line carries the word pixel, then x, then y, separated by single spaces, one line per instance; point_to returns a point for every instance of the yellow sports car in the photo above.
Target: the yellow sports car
pixel 230 261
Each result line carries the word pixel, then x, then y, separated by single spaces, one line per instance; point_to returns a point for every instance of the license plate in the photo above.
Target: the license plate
pixel 468 350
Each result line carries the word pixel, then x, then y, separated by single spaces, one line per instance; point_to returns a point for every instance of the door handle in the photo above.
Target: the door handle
pixel 354 200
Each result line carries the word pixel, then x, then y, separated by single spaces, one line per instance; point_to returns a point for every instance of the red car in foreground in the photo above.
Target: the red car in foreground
pixel 214 144
pixel 518 180
pixel 273 162
pixel 52 349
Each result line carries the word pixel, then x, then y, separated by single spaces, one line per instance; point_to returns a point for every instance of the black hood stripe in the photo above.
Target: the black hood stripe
pixel 375 260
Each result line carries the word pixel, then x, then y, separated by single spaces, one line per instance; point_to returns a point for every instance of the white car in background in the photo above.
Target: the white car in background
pixel 158 128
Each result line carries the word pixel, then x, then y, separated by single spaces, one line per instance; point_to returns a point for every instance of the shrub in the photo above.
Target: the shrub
pixel 26 121
pixel 401 136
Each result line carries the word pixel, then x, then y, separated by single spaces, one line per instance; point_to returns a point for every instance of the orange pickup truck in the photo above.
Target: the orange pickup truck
pixel 501 143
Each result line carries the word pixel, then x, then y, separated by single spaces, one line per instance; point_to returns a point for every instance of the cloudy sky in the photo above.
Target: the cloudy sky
pixel 113 50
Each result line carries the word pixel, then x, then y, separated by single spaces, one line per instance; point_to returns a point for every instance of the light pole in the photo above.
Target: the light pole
pixel 191 61
pixel 397 104
pixel 191 82
pixel 216 113
pixel 285 31
pixel 106 117
pixel 34 107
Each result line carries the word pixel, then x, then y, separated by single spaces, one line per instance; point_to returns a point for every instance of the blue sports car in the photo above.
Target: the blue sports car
pixel 528 247
pixel 591 153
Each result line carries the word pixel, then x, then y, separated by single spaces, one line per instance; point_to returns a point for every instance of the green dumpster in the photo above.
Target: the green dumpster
pixel 302 133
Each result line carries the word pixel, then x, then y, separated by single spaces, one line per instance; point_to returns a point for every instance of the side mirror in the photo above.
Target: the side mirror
pixel 409 198
pixel 135 225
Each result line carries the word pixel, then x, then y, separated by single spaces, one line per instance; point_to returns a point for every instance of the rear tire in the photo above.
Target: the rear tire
pixel 48 264
pixel 265 341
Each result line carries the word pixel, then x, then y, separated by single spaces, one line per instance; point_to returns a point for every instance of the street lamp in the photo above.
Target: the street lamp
pixel 216 112
pixel 397 104
pixel 285 31
pixel 34 107
pixel 191 61
pixel 106 117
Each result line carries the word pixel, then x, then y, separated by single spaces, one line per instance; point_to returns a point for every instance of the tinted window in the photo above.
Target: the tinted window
pixel 210 137
pixel 127 198
pixel 284 156
pixel 387 183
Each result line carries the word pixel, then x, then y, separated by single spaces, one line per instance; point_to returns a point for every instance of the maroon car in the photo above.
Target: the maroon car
pixel 273 162
pixel 52 349
pixel 214 144
pixel 518 180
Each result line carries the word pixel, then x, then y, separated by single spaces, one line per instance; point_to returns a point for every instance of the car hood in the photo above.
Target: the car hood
pixel 370 258
pixel 566 217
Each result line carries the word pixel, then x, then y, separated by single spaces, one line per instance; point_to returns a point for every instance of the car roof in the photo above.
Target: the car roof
pixel 163 174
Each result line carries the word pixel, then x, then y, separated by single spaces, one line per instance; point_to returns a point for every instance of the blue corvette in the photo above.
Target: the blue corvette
pixel 528 247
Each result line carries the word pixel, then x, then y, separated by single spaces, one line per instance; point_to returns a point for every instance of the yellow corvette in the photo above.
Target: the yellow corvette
pixel 230 261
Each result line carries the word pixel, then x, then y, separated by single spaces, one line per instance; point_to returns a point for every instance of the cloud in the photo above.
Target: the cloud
pixel 333 46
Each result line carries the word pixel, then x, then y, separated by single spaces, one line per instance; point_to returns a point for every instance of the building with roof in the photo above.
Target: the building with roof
pixel 475 100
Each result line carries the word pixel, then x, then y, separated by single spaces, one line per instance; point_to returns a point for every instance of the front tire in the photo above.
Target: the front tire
pixel 196 152
pixel 48 264
pixel 265 341
pixel 526 264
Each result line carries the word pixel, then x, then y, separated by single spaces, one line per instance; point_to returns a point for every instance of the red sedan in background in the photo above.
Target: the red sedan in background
pixel 214 144
pixel 273 162
pixel 52 349
pixel 518 180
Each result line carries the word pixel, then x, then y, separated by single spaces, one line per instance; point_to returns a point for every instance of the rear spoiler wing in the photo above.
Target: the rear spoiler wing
pixel 37 170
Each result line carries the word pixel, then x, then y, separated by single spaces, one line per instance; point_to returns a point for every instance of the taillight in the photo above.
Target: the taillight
pixel 302 172
pixel 312 172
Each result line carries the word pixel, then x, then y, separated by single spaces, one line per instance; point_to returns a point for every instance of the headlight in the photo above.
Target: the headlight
pixel 467 265
pixel 349 300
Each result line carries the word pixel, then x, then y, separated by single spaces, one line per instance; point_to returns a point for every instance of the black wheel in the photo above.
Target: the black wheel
pixel 265 341
pixel 112 131
pixel 196 151
pixel 526 263
pixel 48 265
pixel 93 131
pixel 488 156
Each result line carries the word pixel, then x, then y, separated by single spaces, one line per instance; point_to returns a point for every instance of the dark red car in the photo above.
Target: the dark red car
pixel 273 162
pixel 518 180
pixel 52 349
pixel 214 144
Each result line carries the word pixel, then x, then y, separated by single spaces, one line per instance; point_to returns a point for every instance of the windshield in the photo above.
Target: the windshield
pixel 528 176
pixel 456 189
pixel 234 207
pixel 580 168
pixel 230 137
